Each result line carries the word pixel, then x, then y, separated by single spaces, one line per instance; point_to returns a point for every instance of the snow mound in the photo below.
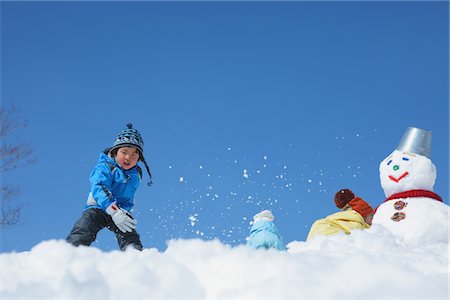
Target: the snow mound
pixel 367 264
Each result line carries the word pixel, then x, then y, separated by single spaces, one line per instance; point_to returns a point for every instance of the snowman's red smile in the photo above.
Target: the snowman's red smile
pixel 399 178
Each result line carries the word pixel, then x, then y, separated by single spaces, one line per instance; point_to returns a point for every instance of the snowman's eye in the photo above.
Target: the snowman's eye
pixel 405 158
pixel 389 162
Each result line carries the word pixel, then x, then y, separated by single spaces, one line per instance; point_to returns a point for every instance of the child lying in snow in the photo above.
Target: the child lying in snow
pixel 356 214
pixel 264 233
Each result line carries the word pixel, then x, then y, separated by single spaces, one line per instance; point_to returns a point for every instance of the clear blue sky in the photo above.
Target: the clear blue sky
pixel 307 97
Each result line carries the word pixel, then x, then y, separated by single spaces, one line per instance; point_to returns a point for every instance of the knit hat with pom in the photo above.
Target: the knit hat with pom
pixel 130 137
pixel 345 199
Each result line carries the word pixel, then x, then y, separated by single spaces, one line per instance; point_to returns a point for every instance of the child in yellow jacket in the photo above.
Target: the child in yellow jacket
pixel 356 214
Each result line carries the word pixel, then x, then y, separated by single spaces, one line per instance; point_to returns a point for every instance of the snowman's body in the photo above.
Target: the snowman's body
pixel 412 212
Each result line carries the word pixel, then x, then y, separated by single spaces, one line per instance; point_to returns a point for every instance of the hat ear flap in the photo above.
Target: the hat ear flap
pixel 110 151
pixel 141 155
pixel 107 151
pixel 150 182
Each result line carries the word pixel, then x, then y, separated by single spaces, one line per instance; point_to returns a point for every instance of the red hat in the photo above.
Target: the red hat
pixel 361 206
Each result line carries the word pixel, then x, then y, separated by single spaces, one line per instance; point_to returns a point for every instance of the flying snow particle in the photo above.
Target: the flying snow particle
pixel 193 220
pixel 181 179
pixel 245 173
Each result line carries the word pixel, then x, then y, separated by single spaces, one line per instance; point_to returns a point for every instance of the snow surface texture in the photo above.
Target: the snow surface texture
pixel 369 264
pixel 424 219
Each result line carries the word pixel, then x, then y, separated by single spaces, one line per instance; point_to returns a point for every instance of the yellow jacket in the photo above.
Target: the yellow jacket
pixel 344 221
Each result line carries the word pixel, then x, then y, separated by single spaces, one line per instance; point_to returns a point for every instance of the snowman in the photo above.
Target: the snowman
pixel 412 211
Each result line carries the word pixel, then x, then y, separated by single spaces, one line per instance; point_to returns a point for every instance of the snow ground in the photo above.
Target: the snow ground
pixel 370 264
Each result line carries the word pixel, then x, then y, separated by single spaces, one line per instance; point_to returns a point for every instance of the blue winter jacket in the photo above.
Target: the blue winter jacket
pixel 109 183
pixel 264 234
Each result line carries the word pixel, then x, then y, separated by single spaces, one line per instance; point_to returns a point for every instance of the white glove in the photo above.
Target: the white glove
pixel 265 215
pixel 122 218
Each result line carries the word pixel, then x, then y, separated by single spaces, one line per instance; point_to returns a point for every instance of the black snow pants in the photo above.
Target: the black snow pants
pixel 85 230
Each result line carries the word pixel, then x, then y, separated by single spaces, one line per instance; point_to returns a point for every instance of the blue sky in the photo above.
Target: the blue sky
pixel 243 106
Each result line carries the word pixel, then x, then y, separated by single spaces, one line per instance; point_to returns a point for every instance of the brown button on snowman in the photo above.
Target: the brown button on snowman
pixel 412 211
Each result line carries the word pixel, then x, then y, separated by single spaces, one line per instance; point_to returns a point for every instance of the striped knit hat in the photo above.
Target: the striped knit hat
pixel 130 137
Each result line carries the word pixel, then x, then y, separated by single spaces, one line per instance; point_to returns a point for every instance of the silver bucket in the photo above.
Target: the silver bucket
pixel 417 141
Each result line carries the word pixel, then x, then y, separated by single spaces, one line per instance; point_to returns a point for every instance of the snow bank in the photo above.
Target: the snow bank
pixel 367 264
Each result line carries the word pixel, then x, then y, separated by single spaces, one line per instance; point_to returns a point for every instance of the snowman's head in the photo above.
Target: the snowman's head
pixel 404 171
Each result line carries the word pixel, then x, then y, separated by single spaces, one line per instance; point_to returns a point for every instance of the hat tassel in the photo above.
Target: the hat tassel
pixel 150 182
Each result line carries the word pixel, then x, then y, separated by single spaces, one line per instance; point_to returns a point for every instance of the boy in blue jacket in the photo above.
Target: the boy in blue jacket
pixel 264 233
pixel 114 182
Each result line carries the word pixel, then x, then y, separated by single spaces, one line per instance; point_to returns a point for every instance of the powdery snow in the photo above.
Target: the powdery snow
pixel 367 264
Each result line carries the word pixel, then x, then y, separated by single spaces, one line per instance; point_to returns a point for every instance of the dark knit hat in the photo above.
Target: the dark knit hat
pixel 130 137
pixel 343 197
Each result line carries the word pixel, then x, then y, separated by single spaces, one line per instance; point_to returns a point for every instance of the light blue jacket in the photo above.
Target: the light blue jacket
pixel 109 183
pixel 264 234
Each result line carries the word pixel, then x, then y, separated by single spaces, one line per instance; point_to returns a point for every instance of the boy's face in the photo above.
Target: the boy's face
pixel 127 157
